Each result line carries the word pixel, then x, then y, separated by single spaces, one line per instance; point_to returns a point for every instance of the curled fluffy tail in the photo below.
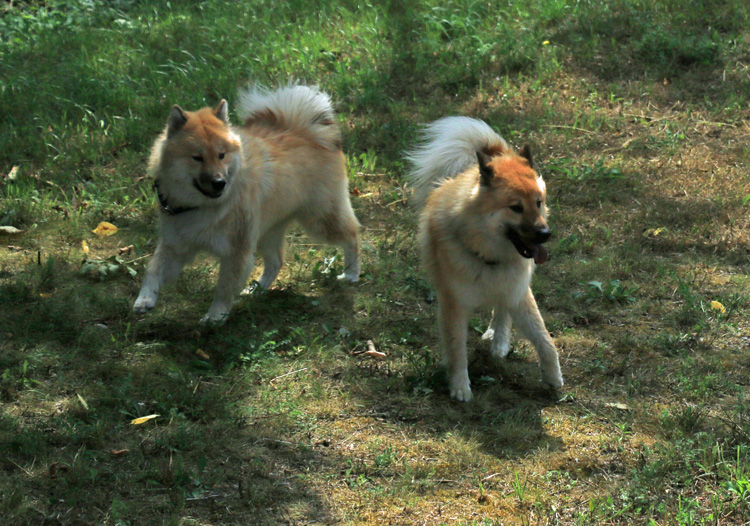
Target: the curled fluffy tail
pixel 292 107
pixel 449 148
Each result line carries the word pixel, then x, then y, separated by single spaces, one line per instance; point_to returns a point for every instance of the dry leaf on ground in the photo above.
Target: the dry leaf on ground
pixel 105 229
pixel 143 419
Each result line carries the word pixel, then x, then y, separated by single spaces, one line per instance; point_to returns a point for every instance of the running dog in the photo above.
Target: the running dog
pixel 481 232
pixel 231 191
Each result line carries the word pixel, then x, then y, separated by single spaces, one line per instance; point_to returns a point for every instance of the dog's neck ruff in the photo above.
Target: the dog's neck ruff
pixel 476 255
pixel 172 211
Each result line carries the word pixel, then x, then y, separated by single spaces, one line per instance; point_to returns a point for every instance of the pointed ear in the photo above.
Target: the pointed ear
pixel 222 111
pixel 525 152
pixel 176 121
pixel 485 172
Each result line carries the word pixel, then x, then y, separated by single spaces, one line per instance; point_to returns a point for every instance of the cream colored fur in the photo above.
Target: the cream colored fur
pixel 284 164
pixel 465 251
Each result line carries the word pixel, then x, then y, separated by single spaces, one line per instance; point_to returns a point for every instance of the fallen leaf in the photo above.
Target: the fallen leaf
pixel 653 232
pixel 143 419
pixel 105 229
pixel 355 191
pixel 617 405
pixel 45 294
pixel 119 452
pixel 202 354
pixel 371 351
pixel 13 173
pixel 9 230
pixel 85 247
pixel 83 402
pixel 126 250
pixel 718 306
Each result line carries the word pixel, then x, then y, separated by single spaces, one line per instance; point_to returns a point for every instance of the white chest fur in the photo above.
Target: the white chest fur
pixel 196 231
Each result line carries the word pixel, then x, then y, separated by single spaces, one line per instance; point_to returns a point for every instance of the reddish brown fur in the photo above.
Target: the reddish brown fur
pixel 461 229
pixel 495 150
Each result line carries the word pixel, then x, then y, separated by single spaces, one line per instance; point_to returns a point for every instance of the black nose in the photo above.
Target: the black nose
pixel 218 184
pixel 542 235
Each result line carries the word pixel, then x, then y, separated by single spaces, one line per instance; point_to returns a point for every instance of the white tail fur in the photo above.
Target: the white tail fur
pixel 449 147
pixel 294 106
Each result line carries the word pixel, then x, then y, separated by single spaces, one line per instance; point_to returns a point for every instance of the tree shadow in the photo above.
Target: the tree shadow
pixel 685 51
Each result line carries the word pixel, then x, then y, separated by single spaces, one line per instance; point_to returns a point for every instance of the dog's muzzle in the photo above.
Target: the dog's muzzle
pixel 528 243
pixel 212 186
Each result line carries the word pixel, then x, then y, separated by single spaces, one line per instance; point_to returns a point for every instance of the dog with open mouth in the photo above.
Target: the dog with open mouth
pixel 234 191
pixel 482 229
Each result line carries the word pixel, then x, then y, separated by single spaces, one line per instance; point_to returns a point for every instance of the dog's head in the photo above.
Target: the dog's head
pixel 197 156
pixel 514 195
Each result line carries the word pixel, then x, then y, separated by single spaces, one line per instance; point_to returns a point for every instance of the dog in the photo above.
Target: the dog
pixel 231 191
pixel 481 232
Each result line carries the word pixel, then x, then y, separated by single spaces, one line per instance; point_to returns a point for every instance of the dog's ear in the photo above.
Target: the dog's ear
pixel 485 172
pixel 222 111
pixel 176 121
pixel 525 152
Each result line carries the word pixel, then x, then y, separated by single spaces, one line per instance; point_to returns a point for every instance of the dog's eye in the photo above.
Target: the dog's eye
pixel 539 204
pixel 518 209
pixel 198 158
pixel 221 155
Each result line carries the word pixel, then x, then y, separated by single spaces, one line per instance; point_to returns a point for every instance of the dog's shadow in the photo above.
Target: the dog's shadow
pixel 505 417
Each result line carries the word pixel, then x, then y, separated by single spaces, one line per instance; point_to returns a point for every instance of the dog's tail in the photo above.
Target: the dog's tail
pixel 292 107
pixel 449 147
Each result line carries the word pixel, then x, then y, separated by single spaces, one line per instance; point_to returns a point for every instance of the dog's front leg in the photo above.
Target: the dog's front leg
pixel 163 267
pixel 234 272
pixel 529 321
pixel 454 319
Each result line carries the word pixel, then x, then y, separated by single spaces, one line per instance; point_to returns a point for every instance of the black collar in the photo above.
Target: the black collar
pixel 168 209
pixel 488 262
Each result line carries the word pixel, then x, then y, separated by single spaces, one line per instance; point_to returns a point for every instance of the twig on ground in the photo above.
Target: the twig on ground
pixel 287 374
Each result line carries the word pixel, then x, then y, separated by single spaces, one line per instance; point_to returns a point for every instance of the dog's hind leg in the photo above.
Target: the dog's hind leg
pixel 339 226
pixel 163 267
pixel 272 246
pixel 499 333
pixel 234 272
pixel 529 321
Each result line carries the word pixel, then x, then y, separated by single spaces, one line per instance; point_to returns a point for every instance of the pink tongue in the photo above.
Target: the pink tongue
pixel 540 254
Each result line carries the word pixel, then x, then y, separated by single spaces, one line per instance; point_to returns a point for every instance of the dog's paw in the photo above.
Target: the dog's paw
pixel 214 318
pixel 144 304
pixel 461 387
pixel 499 349
pixel 553 379
pixel 350 277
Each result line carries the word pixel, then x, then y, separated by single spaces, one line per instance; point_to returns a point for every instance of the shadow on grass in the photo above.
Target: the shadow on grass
pixel 71 391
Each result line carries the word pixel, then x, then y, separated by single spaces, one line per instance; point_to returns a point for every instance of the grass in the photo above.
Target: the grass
pixel 636 111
